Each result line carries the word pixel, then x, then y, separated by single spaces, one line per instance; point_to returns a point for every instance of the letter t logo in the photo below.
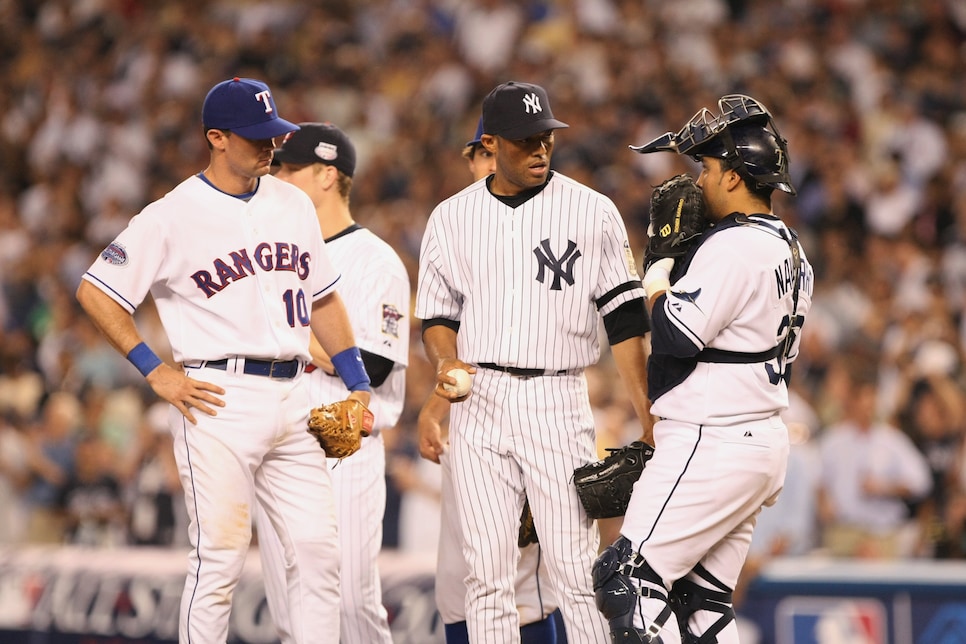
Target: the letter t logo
pixel 265 97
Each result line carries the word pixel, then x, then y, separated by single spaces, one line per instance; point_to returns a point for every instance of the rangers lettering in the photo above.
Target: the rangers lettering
pixel 284 257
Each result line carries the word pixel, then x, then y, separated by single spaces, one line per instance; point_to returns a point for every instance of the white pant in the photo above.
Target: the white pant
pixel 256 452
pixel 516 436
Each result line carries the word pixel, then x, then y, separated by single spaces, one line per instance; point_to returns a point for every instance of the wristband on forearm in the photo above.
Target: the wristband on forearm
pixel 348 364
pixel 144 359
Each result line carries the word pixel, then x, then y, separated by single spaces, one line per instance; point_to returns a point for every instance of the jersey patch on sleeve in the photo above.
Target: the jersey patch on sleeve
pixel 114 254
pixel 390 320
pixel 629 257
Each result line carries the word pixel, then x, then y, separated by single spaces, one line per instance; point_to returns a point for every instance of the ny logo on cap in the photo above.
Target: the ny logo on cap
pixel 532 103
pixel 265 96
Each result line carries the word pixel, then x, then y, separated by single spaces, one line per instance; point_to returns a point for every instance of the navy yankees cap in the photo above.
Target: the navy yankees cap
pixel 318 143
pixel 246 107
pixel 518 110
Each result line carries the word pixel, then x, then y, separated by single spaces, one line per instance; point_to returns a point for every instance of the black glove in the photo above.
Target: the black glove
pixel 605 486
pixel 676 218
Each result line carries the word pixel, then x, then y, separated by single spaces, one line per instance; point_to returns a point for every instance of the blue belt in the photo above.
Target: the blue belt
pixel 283 369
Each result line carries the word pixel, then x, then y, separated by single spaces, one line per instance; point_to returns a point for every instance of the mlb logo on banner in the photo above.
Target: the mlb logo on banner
pixel 814 620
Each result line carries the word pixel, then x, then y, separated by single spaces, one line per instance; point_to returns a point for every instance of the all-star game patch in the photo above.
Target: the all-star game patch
pixel 114 254
pixel 390 320
pixel 629 258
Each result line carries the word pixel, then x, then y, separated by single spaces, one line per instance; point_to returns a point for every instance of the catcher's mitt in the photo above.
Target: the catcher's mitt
pixel 528 532
pixel 605 486
pixel 677 217
pixel 340 426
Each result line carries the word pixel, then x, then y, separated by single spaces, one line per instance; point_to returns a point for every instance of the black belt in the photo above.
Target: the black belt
pixel 524 373
pixel 284 369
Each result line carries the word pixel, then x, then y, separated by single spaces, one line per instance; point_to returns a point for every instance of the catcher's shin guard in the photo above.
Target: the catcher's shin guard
pixel 687 598
pixel 617 597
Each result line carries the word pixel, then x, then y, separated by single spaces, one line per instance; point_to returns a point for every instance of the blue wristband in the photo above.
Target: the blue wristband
pixel 144 359
pixel 348 364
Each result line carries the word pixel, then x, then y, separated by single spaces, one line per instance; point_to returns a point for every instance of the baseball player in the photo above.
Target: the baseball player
pixel 726 319
pixel 320 159
pixel 515 273
pixel 534 598
pixel 240 275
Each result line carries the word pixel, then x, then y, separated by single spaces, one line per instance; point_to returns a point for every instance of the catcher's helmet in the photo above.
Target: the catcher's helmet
pixel 742 132
pixel 754 151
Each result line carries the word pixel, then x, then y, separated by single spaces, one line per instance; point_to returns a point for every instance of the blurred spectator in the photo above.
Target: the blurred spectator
pixel 14 478
pixel 871 476
pixel 153 495
pixel 91 499
pixel 932 411
pixel 51 457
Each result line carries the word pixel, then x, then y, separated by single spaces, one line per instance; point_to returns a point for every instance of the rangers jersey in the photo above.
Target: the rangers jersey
pixel 206 255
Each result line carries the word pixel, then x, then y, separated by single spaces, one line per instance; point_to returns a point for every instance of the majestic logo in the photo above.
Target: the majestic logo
pixel 114 254
pixel 563 268
pixel 390 320
pixel 326 151
pixel 531 103
pixel 265 97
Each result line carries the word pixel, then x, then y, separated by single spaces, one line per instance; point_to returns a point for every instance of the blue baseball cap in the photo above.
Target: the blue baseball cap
pixel 246 107
pixel 477 136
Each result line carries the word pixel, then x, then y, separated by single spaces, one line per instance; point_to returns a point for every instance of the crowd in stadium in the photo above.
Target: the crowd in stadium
pixel 100 114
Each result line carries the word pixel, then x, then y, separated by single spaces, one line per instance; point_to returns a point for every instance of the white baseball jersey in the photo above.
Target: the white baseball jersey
pixel 205 270
pixel 376 291
pixel 235 278
pixel 745 311
pixel 721 343
pixel 527 284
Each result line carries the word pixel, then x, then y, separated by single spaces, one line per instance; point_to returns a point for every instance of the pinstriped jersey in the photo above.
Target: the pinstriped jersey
pixel 229 277
pixel 527 284
pixel 376 292
pixel 735 296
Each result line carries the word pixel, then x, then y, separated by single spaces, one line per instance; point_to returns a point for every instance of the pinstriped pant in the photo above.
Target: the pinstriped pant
pixel 516 436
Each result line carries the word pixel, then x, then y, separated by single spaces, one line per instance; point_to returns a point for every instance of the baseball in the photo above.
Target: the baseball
pixel 463 382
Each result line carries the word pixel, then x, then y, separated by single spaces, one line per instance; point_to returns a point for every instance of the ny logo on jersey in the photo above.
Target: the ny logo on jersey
pixel 563 268
pixel 265 97
pixel 531 103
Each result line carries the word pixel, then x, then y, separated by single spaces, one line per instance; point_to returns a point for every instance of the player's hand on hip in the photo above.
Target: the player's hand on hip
pixel 429 428
pixel 184 392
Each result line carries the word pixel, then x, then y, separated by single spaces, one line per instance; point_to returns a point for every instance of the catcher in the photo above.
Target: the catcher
pixel 726 317
pixel 676 219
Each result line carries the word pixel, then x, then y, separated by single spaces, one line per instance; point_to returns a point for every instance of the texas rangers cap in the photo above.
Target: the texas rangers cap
pixel 318 143
pixel 246 107
pixel 518 110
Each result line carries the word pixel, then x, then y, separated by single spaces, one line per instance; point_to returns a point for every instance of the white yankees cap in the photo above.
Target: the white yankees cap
pixel 517 111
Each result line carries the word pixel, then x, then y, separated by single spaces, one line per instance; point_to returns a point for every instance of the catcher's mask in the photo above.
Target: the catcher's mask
pixel 743 133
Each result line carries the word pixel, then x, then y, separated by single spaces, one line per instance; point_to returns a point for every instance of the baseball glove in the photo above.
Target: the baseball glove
pixel 605 486
pixel 528 532
pixel 676 218
pixel 340 426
